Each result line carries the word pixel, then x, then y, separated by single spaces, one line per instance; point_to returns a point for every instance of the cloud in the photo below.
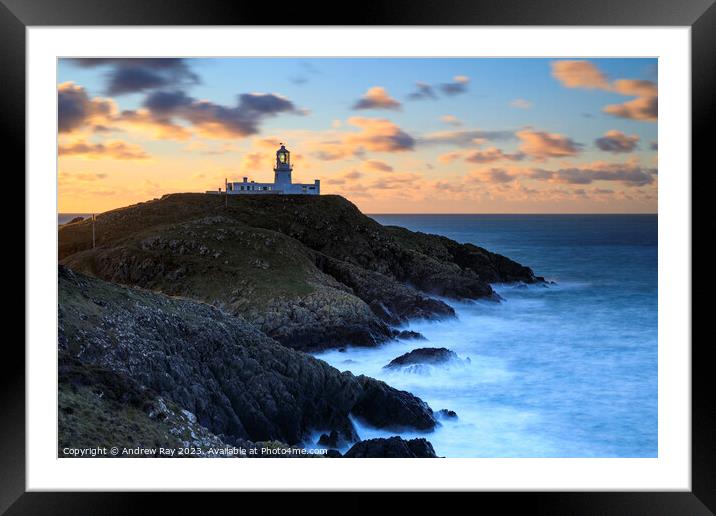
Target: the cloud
pixel 540 144
pixel 584 74
pixel 132 75
pixel 397 181
pixel 112 149
pixel 217 121
pixel 449 157
pixel 306 69
pixel 579 74
pixel 625 173
pixel 616 141
pixel 333 150
pixel 492 154
pixel 456 87
pixel 422 91
pixel 160 127
pixel 521 104
pixel 464 138
pixel 426 91
pixel 344 178
pixel 492 175
pixel 379 135
pixel 377 98
pixel 375 164
pixel 641 108
pixel 635 88
pixel 253 160
pixel 451 120
pixel 375 135
pixel 70 178
pixel 75 109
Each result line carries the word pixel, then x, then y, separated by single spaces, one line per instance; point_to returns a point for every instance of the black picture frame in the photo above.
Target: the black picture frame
pixel 17 15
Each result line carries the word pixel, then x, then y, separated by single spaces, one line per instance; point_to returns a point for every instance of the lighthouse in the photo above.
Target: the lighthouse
pixel 282 182
pixel 283 168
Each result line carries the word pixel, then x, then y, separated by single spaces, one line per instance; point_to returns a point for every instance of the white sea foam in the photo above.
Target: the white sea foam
pixel 565 370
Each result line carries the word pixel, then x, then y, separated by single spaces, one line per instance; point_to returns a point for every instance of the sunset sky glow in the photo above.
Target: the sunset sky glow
pixel 392 135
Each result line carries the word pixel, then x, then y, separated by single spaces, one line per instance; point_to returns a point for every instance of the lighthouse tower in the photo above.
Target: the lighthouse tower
pixel 283 168
pixel 282 184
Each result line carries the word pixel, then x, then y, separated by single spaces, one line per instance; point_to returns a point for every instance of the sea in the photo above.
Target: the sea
pixel 564 370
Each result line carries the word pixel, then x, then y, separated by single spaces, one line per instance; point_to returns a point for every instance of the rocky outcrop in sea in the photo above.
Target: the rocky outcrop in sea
pixel 392 447
pixel 423 356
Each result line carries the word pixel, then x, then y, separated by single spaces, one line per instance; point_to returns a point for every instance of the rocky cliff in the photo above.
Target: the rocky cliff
pixel 236 383
pixel 310 272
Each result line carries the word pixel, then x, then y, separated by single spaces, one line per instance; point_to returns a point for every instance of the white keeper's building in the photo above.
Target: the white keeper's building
pixel 281 181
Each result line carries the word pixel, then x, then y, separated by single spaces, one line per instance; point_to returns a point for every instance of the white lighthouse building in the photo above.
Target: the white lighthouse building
pixel 281 181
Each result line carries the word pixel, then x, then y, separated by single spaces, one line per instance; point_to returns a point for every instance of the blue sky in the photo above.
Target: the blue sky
pixel 526 99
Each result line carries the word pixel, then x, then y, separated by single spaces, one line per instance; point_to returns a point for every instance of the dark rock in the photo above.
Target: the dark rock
pixel 447 414
pixel 383 406
pixel 231 376
pixel 334 454
pixel 392 447
pixel 409 335
pixel 392 301
pixel 424 356
pixel 329 440
pixel 76 219
pixel 99 407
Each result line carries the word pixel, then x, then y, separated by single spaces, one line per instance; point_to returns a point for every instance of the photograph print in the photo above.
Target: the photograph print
pixel 357 257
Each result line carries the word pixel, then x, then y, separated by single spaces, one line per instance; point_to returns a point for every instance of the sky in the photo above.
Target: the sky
pixel 393 135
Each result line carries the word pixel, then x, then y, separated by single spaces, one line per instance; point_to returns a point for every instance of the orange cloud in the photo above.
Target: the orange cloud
pixel 346 177
pixel 143 121
pixel 253 160
pixel 640 108
pixel 492 154
pixel 579 74
pixel 449 157
pixel 540 144
pixel 410 181
pixel 377 97
pixel 379 135
pixel 635 88
pixel 112 149
pixel 451 120
pixel 616 141
pixel 583 74
pixel 267 143
pixel 492 175
pixel 465 137
pixel 380 166
pixel 376 135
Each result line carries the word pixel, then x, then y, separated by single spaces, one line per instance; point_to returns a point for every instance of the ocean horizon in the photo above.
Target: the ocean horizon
pixel 63 218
